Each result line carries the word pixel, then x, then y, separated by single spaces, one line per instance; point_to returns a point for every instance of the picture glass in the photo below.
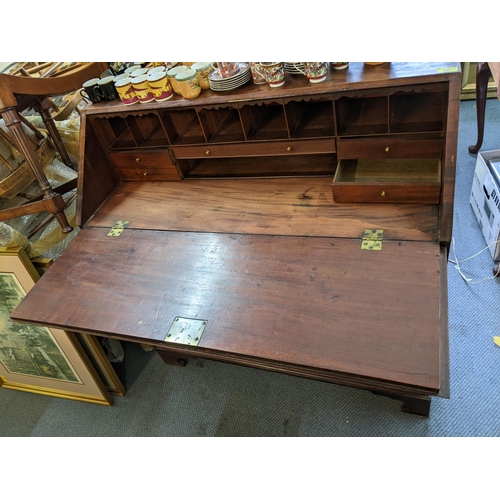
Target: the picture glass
pixel 28 349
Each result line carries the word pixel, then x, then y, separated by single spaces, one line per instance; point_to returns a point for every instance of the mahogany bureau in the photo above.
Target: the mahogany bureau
pixel 303 229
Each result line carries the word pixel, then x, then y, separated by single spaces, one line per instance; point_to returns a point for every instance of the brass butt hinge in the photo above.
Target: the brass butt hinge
pixel 187 331
pixel 372 239
pixel 118 228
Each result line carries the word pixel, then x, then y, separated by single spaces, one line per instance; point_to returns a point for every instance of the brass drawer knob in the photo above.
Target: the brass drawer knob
pixel 383 193
pixel 145 173
pixel 207 152
pixel 289 148
pixel 387 149
pixel 137 159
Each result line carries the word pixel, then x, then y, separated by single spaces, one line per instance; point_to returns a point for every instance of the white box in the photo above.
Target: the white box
pixel 485 198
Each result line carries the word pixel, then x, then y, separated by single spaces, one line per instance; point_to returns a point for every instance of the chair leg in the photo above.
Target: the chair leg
pixel 482 76
pixel 43 109
pixel 53 201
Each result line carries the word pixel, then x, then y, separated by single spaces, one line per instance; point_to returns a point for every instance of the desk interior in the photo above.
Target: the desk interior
pixel 286 206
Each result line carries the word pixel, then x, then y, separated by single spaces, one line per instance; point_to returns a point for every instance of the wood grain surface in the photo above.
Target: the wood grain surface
pixel 285 206
pixel 317 302
pixel 356 78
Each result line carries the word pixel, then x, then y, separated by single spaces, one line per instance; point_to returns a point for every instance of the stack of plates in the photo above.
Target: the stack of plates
pixel 294 67
pixel 220 83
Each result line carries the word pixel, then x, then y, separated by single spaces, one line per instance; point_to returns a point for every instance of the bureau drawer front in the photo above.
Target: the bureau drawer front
pixel 255 149
pixel 390 148
pixel 147 174
pixel 386 193
pixel 144 165
pixel 392 181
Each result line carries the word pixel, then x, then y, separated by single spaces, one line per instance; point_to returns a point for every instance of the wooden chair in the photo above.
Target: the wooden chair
pixel 18 93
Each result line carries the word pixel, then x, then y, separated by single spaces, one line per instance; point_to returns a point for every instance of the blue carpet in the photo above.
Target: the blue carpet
pixel 214 399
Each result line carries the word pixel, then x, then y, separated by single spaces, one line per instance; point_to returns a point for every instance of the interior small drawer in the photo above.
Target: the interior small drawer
pixel 388 181
pixel 148 174
pixel 135 158
pixel 144 165
pixel 380 148
pixel 277 148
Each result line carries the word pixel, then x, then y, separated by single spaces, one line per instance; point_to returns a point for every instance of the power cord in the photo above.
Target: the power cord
pixel 457 263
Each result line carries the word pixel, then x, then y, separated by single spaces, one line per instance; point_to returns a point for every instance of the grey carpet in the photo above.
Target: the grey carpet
pixel 208 398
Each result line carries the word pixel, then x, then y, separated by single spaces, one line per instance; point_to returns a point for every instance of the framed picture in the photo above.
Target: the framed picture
pixel 39 359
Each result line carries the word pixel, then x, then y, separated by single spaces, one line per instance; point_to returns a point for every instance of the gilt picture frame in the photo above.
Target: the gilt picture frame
pixel 101 363
pixel 38 359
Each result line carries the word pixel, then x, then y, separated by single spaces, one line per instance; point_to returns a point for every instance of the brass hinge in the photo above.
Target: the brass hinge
pixel 372 239
pixel 451 69
pixel 186 331
pixel 118 228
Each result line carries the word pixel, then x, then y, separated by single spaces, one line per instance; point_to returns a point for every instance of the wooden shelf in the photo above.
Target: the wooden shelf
pixel 264 122
pixel 425 112
pixel 113 132
pixel 222 125
pixel 293 165
pixel 362 116
pixel 310 119
pixel 146 130
pixel 183 127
